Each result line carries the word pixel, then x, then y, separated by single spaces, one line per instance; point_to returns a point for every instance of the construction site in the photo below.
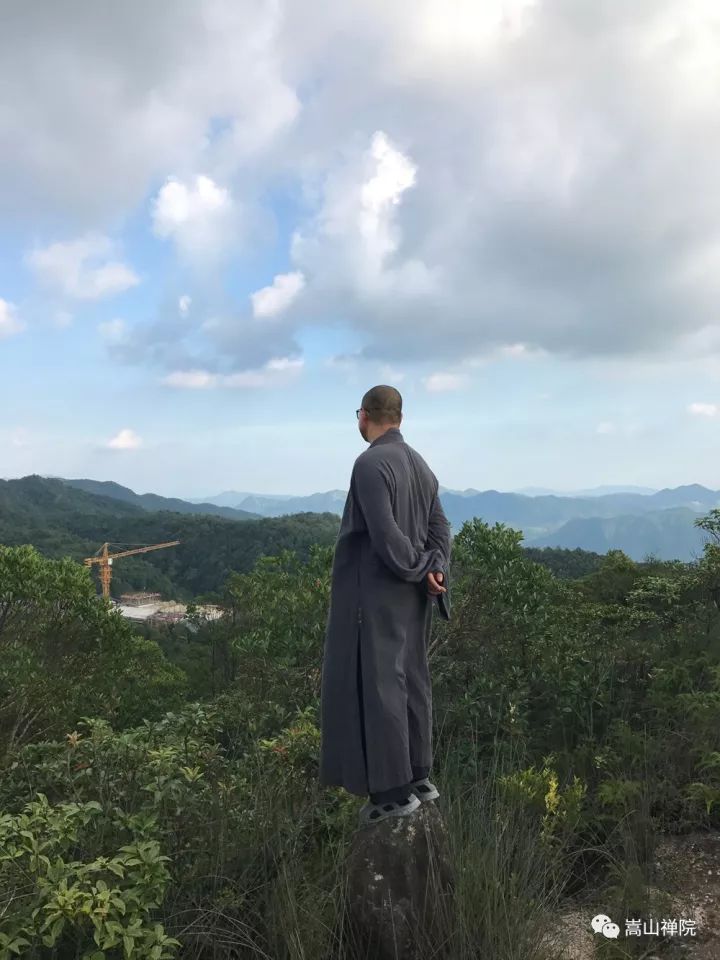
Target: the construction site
pixel 144 607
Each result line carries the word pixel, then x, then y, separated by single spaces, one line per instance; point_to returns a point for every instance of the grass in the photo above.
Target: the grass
pixel 290 903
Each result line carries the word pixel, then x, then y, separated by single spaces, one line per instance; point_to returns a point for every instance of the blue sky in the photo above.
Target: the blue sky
pixel 214 242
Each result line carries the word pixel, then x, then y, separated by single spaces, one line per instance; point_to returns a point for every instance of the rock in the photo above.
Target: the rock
pixel 400 887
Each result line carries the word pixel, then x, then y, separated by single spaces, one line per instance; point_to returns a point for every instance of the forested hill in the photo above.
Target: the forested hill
pixel 153 501
pixel 61 520
pixel 660 523
pixel 668 534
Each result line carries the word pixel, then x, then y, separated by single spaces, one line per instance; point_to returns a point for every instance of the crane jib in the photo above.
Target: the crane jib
pixel 105 560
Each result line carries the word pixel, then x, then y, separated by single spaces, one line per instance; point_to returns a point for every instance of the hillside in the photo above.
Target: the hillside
pixel 60 520
pixel 595 522
pixel 73 517
pixel 540 515
pixel 119 750
pixel 666 534
pixel 600 491
pixel 154 502
pixel 534 514
pixel 267 501
pixel 53 517
pixel 333 501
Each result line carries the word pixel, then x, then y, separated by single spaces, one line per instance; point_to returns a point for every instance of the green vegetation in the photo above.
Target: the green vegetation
pixel 159 797
pixel 61 521
pixel 153 502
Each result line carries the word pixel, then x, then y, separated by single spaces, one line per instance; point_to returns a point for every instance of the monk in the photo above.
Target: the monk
pixel 390 568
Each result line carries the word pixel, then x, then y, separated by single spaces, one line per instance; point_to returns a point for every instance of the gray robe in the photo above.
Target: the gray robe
pixel 376 700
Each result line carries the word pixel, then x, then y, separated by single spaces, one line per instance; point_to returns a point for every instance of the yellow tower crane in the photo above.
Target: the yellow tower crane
pixel 105 560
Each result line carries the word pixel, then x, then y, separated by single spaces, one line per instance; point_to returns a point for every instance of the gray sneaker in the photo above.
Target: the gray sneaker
pixel 425 790
pixel 375 812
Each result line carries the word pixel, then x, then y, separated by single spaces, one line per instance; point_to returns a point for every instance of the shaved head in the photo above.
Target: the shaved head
pixel 383 405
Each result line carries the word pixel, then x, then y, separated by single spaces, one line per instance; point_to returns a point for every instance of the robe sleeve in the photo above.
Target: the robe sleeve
pixel 372 492
pixel 438 536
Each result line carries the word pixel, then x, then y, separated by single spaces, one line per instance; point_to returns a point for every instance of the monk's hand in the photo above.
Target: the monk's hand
pixel 434 583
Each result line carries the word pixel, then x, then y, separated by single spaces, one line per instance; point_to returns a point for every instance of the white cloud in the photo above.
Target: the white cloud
pixel 473 189
pixel 352 241
pixel 443 40
pixel 391 374
pixel 178 205
pixel 126 439
pixel 63 319
pixel 285 364
pixel 113 331
pixel 479 361
pixel 341 361
pixel 394 174
pixel 20 437
pixel 442 382
pixel 82 269
pixel 704 409
pixel 276 371
pixel 515 350
pixel 198 215
pixel 127 105
pixel 272 300
pixel 10 323
pixel 191 379
pixel 184 305
pixel 506 175
pixel 605 427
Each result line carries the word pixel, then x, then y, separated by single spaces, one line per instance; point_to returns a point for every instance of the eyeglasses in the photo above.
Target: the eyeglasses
pixel 357 412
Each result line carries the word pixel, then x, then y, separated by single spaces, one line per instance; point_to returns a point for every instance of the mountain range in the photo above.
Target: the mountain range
pixel 236 498
pixel 591 492
pixel 62 520
pixel 153 501
pixel 659 523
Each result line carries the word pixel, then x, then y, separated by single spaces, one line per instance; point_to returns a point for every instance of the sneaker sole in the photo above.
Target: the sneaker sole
pixel 400 812
pixel 426 797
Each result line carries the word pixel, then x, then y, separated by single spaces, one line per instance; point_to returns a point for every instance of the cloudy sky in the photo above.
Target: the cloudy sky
pixel 221 221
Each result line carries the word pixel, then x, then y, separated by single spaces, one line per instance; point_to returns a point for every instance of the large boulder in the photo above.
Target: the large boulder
pixel 400 886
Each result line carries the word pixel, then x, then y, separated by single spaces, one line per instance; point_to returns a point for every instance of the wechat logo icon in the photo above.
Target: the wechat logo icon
pixel 603 924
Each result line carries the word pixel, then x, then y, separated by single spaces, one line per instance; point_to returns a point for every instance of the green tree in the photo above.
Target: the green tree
pixel 67 654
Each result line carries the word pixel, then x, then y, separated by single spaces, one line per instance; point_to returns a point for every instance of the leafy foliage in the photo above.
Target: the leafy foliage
pixel 61 521
pixel 67 896
pixel 65 653
pixel 590 703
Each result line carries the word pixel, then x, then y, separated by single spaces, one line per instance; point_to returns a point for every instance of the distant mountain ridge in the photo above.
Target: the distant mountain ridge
pixel 660 523
pixel 332 501
pixel 541 511
pixel 61 520
pixel 668 534
pixel 233 498
pixel 638 520
pixel 154 502
pixel 590 492
pixel 236 498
